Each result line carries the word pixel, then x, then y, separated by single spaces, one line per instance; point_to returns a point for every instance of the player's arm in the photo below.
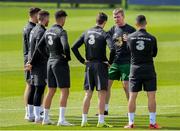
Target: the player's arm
pixel 65 44
pixel 25 48
pixel 25 44
pixel 110 44
pixel 30 46
pixel 26 36
pixel 111 31
pixel 75 48
pixel 125 34
pixel 154 49
pixel 128 43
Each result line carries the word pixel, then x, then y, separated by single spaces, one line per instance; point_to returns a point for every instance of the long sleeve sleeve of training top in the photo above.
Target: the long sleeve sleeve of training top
pixel 155 49
pixel 111 47
pixel 76 46
pixel 65 44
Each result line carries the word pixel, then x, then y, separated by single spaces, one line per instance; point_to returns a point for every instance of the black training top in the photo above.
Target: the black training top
pixel 35 36
pixel 56 42
pixel 26 34
pixel 143 48
pixel 95 40
pixel 122 54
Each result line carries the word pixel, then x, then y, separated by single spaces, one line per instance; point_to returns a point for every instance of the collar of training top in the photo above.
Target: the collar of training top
pixel 32 23
pixel 122 25
pixel 42 26
pixel 58 25
pixel 97 26
pixel 144 30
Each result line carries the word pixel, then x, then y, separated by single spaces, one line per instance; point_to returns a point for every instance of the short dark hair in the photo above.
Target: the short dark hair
pixel 141 19
pixel 33 11
pixel 42 14
pixel 101 18
pixel 60 13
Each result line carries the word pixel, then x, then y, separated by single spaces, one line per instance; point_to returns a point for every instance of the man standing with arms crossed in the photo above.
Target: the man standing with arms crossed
pixel 33 12
pixel 39 70
pixel 119 70
pixel 143 47
pixel 95 40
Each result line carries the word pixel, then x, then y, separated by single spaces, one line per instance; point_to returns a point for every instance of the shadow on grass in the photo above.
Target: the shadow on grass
pixel 117 122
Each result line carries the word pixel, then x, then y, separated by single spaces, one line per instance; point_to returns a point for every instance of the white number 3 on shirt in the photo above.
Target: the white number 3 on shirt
pixel 91 40
pixel 50 41
pixel 140 45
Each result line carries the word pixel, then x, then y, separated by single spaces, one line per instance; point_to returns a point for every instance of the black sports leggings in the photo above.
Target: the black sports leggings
pixel 39 91
pixel 31 95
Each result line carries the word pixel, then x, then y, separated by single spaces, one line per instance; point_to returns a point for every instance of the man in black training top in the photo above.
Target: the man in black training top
pixel 58 72
pixel 120 68
pixel 143 48
pixel 95 40
pixel 39 70
pixel 33 12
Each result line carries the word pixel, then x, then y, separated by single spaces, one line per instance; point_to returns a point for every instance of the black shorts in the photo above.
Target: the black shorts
pixel 27 73
pixel 136 85
pixel 58 74
pixel 27 76
pixel 96 75
pixel 39 75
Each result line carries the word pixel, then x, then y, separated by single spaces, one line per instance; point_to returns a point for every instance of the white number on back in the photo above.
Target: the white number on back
pixel 50 41
pixel 91 40
pixel 140 45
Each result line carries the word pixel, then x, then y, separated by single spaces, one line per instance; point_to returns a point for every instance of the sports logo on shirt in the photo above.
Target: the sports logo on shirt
pixel 119 41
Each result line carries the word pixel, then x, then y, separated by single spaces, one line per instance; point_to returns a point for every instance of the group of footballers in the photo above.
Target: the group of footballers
pixel 47 53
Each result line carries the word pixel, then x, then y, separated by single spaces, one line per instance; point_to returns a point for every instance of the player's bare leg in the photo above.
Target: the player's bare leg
pixel 101 104
pixel 63 103
pixel 126 88
pixel 48 98
pixel 151 101
pixel 152 109
pixel 86 101
pixel 26 94
pixel 132 102
pixel 131 109
pixel 86 105
pixel 101 101
pixel 108 95
pixel 47 105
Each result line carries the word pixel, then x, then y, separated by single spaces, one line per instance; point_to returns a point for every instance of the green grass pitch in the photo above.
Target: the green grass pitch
pixel 164 25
